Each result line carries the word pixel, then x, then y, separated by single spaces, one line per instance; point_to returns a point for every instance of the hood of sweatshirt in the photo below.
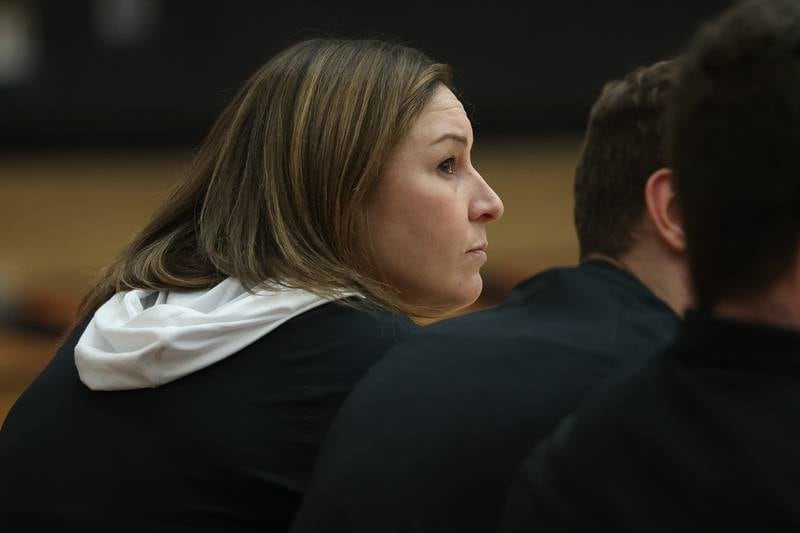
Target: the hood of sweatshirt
pixel 145 338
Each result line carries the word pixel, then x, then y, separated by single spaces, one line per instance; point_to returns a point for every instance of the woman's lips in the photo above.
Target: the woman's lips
pixel 479 251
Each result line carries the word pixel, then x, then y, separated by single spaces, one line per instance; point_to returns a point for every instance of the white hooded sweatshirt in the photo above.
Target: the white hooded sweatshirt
pixel 145 338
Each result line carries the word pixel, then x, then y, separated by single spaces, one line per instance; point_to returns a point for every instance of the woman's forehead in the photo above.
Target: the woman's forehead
pixel 444 114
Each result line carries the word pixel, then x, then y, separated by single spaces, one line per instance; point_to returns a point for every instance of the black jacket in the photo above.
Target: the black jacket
pixel 227 448
pixel 702 438
pixel 430 439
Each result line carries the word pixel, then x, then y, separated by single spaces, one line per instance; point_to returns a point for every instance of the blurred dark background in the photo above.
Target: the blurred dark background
pixel 124 74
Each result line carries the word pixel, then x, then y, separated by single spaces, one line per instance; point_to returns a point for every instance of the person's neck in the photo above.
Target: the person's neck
pixel 666 277
pixel 777 306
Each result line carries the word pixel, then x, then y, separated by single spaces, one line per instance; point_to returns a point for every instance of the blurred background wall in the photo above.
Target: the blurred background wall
pixel 103 101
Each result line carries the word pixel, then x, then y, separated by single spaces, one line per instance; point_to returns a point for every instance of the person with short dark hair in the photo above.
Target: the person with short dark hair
pixel 430 439
pixel 703 437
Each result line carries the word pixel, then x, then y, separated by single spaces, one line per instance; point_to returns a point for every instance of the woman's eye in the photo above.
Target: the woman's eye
pixel 448 166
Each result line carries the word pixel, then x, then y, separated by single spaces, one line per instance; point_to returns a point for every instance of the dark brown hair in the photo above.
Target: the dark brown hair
pixel 734 145
pixel 622 148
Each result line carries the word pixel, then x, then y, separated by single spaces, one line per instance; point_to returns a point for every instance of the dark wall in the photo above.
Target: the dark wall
pixel 529 68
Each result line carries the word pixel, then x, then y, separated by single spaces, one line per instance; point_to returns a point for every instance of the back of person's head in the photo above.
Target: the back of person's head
pixel 734 145
pixel 623 146
pixel 276 194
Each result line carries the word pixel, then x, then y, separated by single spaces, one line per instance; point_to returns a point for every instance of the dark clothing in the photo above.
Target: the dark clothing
pixel 429 441
pixel 702 438
pixel 227 448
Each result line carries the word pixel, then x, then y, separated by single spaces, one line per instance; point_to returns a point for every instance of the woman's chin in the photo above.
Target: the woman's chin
pixel 461 298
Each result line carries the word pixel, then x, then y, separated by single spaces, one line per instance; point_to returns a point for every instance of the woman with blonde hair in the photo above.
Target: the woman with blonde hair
pixel 333 195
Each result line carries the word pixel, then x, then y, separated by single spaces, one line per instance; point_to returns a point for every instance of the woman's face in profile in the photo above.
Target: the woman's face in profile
pixel 429 214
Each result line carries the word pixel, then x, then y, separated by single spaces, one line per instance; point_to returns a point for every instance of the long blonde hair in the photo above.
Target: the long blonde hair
pixel 277 193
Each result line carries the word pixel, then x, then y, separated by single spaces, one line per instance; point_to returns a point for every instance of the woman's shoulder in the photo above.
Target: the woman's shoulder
pixel 350 325
pixel 330 346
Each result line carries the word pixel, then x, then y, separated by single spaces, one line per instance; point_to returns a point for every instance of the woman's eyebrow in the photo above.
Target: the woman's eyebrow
pixel 453 136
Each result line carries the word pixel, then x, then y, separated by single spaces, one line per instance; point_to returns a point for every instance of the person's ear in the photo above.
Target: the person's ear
pixel 663 209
